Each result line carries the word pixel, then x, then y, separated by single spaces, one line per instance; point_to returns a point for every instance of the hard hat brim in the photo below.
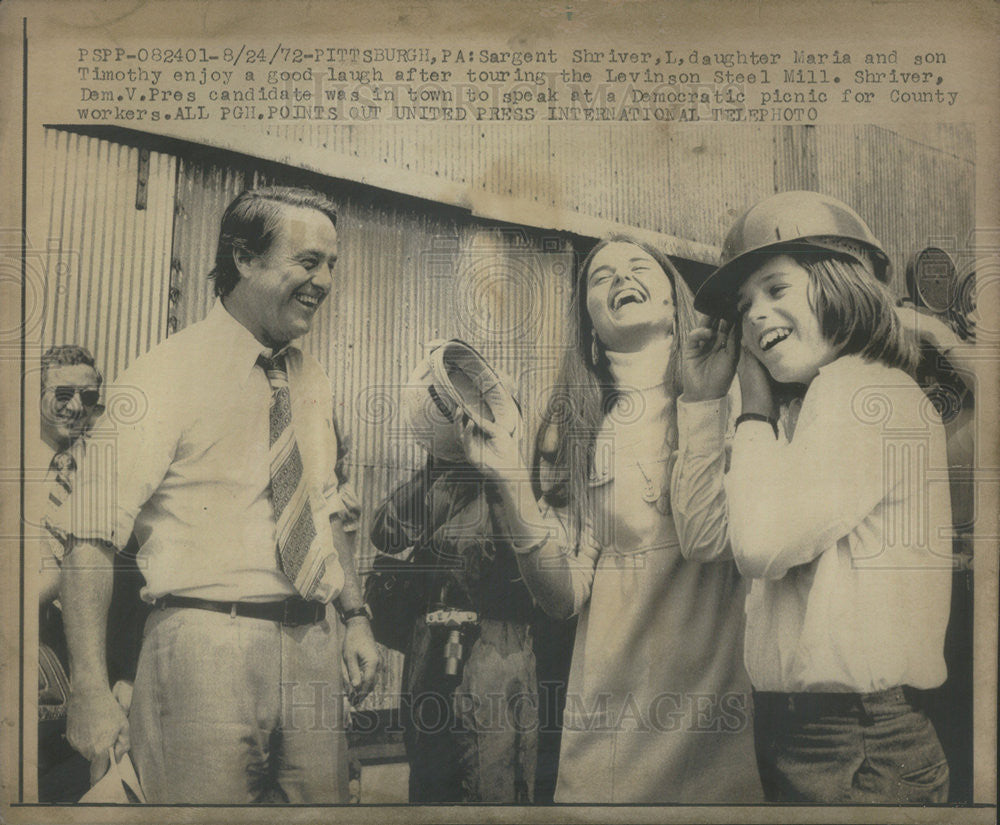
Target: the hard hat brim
pixel 717 295
pixel 470 381
pixel 791 221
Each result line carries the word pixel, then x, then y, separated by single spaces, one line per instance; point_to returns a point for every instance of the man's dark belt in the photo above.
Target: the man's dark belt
pixel 291 612
pixel 813 705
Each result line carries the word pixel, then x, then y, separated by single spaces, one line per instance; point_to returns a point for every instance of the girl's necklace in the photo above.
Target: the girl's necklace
pixel 659 498
pixel 651 493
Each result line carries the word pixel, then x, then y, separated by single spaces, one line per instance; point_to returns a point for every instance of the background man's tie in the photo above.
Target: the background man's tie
pixel 61 472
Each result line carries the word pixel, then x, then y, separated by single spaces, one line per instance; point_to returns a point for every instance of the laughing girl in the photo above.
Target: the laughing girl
pixel 618 529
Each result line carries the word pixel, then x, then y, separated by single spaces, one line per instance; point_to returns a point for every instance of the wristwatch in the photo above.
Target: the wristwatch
pixel 354 612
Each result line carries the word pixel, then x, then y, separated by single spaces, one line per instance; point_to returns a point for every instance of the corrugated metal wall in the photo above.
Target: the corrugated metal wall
pixel 912 183
pixel 913 193
pixel 662 179
pixel 202 197
pixel 108 263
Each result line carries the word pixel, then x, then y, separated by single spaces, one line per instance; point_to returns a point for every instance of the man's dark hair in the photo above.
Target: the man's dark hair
pixel 251 223
pixel 68 355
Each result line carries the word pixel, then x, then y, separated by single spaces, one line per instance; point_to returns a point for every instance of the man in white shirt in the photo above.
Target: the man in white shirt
pixel 219 449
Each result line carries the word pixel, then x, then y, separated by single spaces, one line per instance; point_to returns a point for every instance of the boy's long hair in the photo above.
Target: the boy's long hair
pixel 585 392
pixel 856 313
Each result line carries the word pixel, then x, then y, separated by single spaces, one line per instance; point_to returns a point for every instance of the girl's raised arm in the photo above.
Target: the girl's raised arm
pixel 558 572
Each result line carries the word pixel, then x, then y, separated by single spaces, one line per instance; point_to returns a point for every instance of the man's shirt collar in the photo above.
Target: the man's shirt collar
pixel 235 344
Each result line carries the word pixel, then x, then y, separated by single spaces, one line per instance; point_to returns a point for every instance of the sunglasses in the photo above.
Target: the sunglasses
pixel 64 395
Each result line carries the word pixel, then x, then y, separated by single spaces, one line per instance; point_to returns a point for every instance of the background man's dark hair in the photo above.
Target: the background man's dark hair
pixel 250 223
pixel 67 355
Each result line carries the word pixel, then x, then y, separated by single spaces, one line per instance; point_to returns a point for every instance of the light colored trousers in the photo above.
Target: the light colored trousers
pixel 236 710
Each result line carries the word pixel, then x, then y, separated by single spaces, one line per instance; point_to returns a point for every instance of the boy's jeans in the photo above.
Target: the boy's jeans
pixel 848 748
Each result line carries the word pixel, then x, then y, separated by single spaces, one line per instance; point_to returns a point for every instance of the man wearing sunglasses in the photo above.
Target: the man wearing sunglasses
pixel 69 404
pixel 71 394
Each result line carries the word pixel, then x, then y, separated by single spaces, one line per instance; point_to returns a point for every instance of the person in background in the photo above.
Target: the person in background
pixel 227 472
pixel 68 404
pixel 618 528
pixel 831 510
pixel 946 371
pixel 470 698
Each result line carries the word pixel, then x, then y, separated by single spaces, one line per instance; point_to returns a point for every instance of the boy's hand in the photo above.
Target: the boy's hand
pixel 756 390
pixel 708 360
pixel 927 328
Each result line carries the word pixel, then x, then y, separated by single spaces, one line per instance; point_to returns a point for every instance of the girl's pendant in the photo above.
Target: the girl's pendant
pixel 649 493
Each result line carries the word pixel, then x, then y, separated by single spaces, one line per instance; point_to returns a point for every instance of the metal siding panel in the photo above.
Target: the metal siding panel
pixel 795 158
pixel 53 174
pixel 131 244
pixel 204 192
pixel 105 249
pixel 87 306
pixel 691 202
pixel 75 207
pixel 910 192
pixel 103 218
pixel 107 276
pixel 166 167
pixel 632 174
pixel 626 178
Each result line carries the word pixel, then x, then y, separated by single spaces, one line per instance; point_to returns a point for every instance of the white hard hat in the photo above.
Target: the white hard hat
pixel 788 221
pixel 455 377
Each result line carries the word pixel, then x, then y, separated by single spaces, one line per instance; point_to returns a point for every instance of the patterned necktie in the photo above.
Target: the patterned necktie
pixel 62 468
pixel 64 465
pixel 300 549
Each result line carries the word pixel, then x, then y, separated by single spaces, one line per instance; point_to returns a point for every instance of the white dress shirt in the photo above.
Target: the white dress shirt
pixel 846 532
pixel 181 457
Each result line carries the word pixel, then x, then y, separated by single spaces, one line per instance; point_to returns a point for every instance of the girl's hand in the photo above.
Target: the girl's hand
pixel 755 386
pixel 490 449
pixel 708 361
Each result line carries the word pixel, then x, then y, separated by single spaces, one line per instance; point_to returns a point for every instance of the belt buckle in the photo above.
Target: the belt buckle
pixel 296 612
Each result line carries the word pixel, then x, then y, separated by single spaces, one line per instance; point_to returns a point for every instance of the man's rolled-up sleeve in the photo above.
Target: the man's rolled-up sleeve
pixel 341 497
